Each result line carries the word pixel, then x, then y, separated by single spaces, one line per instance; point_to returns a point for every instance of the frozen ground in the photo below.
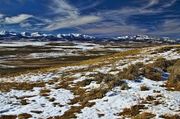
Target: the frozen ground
pixel 115 101
pixel 62 85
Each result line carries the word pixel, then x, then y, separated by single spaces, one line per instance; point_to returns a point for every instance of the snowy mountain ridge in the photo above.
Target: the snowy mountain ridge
pixel 7 35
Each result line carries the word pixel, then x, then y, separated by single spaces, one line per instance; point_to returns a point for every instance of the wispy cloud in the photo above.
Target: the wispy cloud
pixel 117 21
pixel 88 4
pixel 168 27
pixel 151 3
pixel 115 30
pixel 96 17
pixel 1 15
pixel 63 8
pixel 169 3
pixel 68 16
pixel 16 19
pixel 25 25
pixel 72 22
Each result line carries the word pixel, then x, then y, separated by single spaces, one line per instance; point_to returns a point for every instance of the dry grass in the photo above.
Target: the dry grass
pixel 167 48
pixel 8 117
pixel 52 99
pixel 169 116
pixel 144 115
pixel 131 72
pixel 83 97
pixel 150 73
pixel 110 58
pixel 24 102
pixel 144 88
pixel 163 64
pixel 40 64
pixel 36 111
pixel 45 92
pixel 132 111
pixel 174 79
pixel 24 116
pixel 150 98
pixel 7 86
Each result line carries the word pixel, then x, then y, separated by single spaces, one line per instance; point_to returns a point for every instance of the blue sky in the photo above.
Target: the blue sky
pixel 93 17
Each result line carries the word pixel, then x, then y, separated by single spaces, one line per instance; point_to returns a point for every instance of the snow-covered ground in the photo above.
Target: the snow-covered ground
pixel 10 105
pixel 115 101
pixel 19 44
pixel 58 100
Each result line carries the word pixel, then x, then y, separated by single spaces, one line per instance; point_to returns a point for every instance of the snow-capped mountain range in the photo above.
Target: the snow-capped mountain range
pixel 43 36
pixel 36 36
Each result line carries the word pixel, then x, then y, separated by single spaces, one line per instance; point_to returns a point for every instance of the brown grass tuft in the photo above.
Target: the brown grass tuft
pixel 7 86
pixel 169 116
pixel 45 92
pixel 174 79
pixel 144 115
pixel 8 117
pixel 132 111
pixel 144 88
pixel 24 116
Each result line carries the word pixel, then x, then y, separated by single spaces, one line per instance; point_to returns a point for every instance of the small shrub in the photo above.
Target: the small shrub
pixel 144 88
pixel 8 117
pixel 125 86
pixel 174 78
pixel 169 116
pixel 108 77
pixel 52 99
pixel 156 102
pixel 98 77
pixel 150 98
pixel 133 111
pixel 78 91
pixel 24 102
pixel 162 63
pixel 24 116
pixel 132 72
pixel 100 115
pixel 7 86
pixel 37 112
pixel 164 49
pixel 156 91
pixel 85 82
pixel 150 73
pixel 144 115
pixel 45 92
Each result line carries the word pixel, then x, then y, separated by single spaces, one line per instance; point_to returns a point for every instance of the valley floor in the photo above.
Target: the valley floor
pixel 86 90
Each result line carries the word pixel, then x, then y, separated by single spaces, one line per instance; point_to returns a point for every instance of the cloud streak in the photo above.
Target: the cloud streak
pixel 62 8
pixel 117 21
pixel 97 17
pixel 16 19
pixel 71 16
pixel 72 22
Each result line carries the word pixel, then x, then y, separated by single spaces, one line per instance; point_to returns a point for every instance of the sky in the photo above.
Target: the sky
pixel 92 17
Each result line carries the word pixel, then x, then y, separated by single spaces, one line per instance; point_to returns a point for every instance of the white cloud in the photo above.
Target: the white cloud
pixel 1 15
pixel 72 22
pixel 168 26
pixel 87 4
pixel 112 28
pixel 61 7
pixel 17 19
pixel 116 21
pixel 25 25
pixel 151 3
pixel 169 3
pixel 68 16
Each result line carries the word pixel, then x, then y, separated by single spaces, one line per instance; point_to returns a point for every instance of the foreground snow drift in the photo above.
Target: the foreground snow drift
pixel 115 101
